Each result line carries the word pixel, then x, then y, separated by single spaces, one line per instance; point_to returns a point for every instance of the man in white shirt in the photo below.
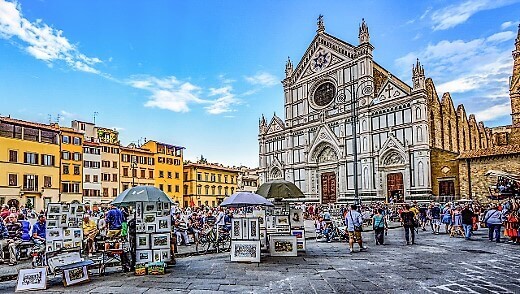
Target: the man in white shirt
pixel 354 223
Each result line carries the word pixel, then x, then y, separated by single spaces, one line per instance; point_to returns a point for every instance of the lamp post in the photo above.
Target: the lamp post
pixel 134 166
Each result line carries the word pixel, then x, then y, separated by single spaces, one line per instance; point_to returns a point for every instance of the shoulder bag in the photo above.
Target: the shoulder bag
pixel 356 228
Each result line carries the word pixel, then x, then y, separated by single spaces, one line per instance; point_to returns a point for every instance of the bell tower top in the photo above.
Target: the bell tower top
pixel 321 25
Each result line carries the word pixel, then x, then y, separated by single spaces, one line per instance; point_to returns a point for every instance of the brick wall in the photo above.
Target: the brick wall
pixel 445 166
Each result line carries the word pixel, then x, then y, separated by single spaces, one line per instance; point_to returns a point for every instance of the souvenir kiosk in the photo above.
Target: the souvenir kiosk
pixel 151 245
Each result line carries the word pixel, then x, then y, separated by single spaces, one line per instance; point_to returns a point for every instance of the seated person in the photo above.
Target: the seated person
pixel 181 227
pixel 38 235
pixel 14 229
pixel 193 226
pixel 26 228
pixel 89 233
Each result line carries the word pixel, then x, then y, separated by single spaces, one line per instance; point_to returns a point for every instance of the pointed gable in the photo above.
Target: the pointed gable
pixel 391 90
pixel 276 125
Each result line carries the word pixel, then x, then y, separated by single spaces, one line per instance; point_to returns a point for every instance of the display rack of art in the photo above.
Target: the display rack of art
pixel 283 245
pixel 153 227
pixel 300 239
pixel 64 226
pixel 75 276
pixel 31 279
pixel 245 239
pixel 245 250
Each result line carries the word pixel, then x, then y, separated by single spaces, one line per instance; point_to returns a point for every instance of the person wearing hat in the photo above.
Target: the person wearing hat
pixel 89 233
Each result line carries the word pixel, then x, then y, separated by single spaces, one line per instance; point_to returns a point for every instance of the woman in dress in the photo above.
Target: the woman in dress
pixel 380 225
pixel 456 228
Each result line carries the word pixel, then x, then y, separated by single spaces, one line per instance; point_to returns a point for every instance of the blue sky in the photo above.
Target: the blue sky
pixel 200 73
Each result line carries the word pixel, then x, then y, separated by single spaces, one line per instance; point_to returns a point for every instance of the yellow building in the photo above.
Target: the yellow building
pixel 29 163
pixel 136 167
pixel 208 184
pixel 168 168
pixel 71 165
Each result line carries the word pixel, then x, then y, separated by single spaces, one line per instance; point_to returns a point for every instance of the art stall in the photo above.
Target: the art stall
pixel 246 231
pixel 152 248
pixel 285 228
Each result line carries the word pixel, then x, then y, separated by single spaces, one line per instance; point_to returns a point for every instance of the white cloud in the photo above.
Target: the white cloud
pixel 493 112
pixel 508 24
pixel 67 114
pixel 224 103
pixel 501 37
pixel 453 15
pixel 263 79
pixel 40 40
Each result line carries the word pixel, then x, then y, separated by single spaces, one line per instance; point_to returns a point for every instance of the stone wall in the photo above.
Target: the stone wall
pixel 478 167
pixel 445 167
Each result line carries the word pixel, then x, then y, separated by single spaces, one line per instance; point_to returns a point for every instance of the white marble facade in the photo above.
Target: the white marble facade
pixel 315 142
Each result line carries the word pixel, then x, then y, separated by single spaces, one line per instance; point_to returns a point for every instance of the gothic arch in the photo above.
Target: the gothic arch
pixel 325 152
pixel 392 157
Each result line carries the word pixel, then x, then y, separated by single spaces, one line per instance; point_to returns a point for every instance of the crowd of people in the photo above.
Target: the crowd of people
pixel 107 224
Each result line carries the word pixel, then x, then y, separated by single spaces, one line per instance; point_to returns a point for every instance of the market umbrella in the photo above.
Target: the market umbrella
pixel 141 194
pixel 241 199
pixel 279 189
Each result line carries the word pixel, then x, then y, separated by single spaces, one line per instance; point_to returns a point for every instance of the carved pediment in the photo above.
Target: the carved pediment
pixel 276 125
pixel 393 158
pixel 390 91
pixel 327 155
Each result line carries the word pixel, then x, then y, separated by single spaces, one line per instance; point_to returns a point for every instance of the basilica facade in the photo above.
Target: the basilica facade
pixel 353 131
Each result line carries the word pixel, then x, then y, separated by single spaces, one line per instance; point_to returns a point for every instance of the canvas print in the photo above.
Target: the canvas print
pixel 53 217
pixel 236 229
pixel 75 276
pixel 67 233
pixel 263 239
pixel 63 220
pixel 149 218
pixel 160 241
pixel 245 251
pixel 163 224
pixel 32 279
pixel 68 244
pixel 142 241
pixel 143 256
pixel 283 246
pixel 167 207
pixel 77 244
pixel 300 234
pixel 296 216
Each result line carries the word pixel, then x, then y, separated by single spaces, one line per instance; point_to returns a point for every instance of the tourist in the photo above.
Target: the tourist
pixel 446 217
pixel 181 230
pixel 26 228
pixel 15 237
pixel 5 212
pixel 493 221
pixel 4 239
pixel 423 216
pixel 114 219
pixel 408 222
pixel 435 214
pixel 456 228
pixel 354 223
pixel 467 221
pixel 89 233
pixel 380 225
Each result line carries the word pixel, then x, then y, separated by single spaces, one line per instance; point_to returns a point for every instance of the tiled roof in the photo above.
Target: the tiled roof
pixel 492 151
pixel 27 123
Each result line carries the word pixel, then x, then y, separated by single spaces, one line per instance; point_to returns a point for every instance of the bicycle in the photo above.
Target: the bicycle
pixel 210 238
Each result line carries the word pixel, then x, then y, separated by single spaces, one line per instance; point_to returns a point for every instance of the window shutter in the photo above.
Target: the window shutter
pixel 25 182
pixel 43 159
pixel 36 183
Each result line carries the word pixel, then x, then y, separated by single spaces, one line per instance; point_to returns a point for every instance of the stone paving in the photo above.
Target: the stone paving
pixel 437 264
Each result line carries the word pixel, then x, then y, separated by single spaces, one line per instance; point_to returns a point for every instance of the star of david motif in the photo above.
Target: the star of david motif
pixel 321 61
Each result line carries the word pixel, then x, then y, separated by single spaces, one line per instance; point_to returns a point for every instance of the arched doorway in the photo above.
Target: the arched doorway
pixel 395 187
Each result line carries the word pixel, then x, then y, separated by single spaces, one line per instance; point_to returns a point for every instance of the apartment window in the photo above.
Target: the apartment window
pixel 232 179
pixel 105 163
pixel 114 164
pixel 114 177
pixel 95 178
pixel 76 141
pixel 169 175
pixel 77 156
pixel 125 187
pixel 199 189
pixel 125 171
pixel 65 139
pixel 226 190
pixel 47 160
pixel 213 178
pixel 219 178
pixel 47 182
pixel 199 176
pixel 67 187
pixel 134 173
pixel 87 178
pixel 169 188
pixel 150 174
pixel 177 175
pixel 177 188
pixel 30 182
pixel 105 178
pixel 206 189
pixel 105 192
pixel 125 158
pixel 185 189
pixel 13 156
pixel 115 150
pixel 225 180
pixel 76 169
pixel 13 180
pixel 150 161
pixel 177 161
pixel 161 174
pixel 65 155
pixel 143 174
pixel 31 158
pixel 185 175
pixel 161 187
pixel 206 177
pixel 114 192
pixel 66 169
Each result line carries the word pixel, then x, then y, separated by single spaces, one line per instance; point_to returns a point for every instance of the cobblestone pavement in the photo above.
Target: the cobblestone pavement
pixel 437 264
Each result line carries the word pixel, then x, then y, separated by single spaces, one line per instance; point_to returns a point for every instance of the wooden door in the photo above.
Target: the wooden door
pixel 328 188
pixel 446 188
pixel 395 186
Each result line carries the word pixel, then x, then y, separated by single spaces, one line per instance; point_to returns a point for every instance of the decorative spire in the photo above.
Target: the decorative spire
pixel 262 125
pixel 321 25
pixel 418 77
pixel 288 68
pixel 364 36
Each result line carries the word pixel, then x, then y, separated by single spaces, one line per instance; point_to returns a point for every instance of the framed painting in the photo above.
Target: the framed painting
pixel 142 241
pixel 52 223
pixel 57 245
pixel 156 255
pixel 160 241
pixel 150 228
pixel 300 239
pixel 165 255
pixel 77 234
pixel 54 234
pixel 143 256
pixel 31 279
pixel 163 224
pixel 54 208
pixel 80 210
pixel 283 246
pixel 282 220
pixel 296 217
pixel 138 210
pixel 150 218
pixel 75 276
pixel 150 207
pixel 263 239
pixel 253 229
pixel 68 244
pixel 236 228
pixel 245 251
